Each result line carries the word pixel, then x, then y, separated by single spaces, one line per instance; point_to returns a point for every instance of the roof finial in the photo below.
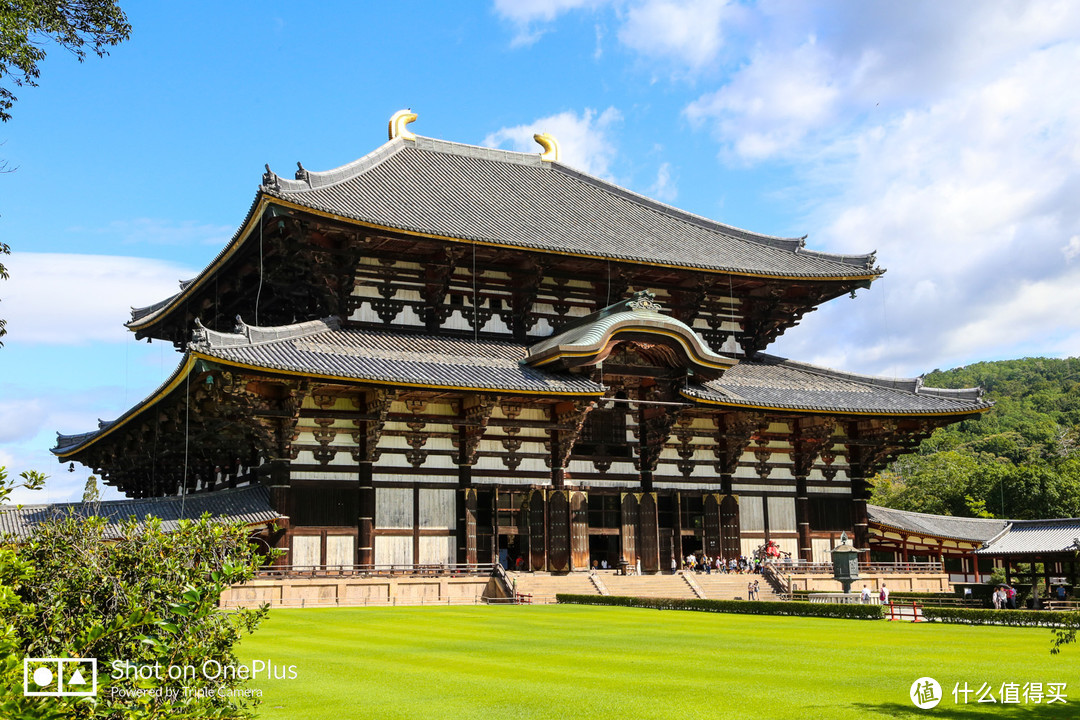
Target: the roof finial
pixel 550 145
pixel 398 121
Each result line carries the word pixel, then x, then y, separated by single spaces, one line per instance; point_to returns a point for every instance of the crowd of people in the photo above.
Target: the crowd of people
pixel 704 564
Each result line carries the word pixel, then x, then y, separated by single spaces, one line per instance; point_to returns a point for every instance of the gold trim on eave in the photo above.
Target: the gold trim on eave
pixel 180 374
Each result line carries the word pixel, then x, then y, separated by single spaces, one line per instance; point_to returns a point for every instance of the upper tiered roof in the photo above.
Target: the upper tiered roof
pixel 465 193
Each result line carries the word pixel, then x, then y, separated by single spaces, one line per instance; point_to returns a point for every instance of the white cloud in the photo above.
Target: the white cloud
pixel 71 299
pixel 526 14
pixel 1072 249
pixel 162 232
pixel 664 188
pixel 773 103
pixel 526 11
pixel 971 203
pixel 687 31
pixel 584 140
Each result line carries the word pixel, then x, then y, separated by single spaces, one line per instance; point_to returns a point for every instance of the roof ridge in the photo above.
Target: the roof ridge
pixel 913 385
pixel 203 338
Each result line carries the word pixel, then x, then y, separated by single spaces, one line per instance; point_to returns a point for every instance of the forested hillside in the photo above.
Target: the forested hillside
pixel 1020 460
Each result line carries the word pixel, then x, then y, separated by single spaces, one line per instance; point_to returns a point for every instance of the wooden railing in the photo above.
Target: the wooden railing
pixel 421 570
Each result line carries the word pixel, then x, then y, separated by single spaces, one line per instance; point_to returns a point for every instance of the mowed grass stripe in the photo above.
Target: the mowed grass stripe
pixel 599 662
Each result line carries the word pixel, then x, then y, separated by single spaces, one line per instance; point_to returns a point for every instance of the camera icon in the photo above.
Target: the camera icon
pixel 60 677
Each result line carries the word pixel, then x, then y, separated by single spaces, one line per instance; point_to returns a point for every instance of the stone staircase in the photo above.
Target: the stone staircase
pixel 544 586
pixel 650 586
pixel 720 586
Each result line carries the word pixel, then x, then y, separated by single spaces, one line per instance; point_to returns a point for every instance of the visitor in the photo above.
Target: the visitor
pixel 1010 593
pixel 1061 592
pixel 603 564
pixel 998 597
pixel 674 565
pixel 750 590
pixel 884 595
pixel 757 590
pixel 865 595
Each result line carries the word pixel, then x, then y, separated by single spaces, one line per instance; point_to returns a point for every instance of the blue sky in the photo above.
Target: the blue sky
pixel 946 136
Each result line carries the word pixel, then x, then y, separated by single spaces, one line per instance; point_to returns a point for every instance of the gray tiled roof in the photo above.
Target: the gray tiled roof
pixel 249 505
pixel 508 198
pixel 942 526
pixel 773 382
pixel 321 347
pixel 1025 537
pixel 474 193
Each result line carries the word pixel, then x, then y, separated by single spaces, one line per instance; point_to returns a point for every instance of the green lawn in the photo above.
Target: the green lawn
pixel 599 662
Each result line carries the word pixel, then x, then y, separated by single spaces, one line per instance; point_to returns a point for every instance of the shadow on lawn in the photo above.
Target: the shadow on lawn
pixel 950 711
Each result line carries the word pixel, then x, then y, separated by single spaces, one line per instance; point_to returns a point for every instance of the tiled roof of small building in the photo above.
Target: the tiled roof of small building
pixel 249 505
pixel 1032 537
pixel 772 382
pixel 941 526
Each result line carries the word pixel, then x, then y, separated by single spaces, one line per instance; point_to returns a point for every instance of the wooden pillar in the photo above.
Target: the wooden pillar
pixel 802 519
pixel 730 529
pixel 975 566
pixel 713 544
pixel 365 525
pixel 466 531
pixel 558 531
pixel 281 501
pixel 1008 571
pixel 1046 577
pixel 904 538
pixel 648 533
pixel 537 531
pixel 628 528
pixel 676 532
pixel 579 531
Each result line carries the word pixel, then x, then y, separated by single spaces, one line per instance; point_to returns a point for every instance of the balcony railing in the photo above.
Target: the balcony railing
pixel 419 570
pixel 796 567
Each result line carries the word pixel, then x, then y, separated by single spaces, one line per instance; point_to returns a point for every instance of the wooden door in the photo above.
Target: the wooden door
pixel 579 531
pixel 731 537
pixel 712 524
pixel 628 532
pixel 648 534
pixel 537 532
pixel 558 531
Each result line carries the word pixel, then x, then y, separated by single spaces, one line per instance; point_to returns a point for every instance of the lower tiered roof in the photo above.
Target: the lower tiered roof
pixel 322 349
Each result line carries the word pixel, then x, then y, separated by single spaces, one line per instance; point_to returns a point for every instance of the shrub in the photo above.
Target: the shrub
pixel 748 607
pixel 79 587
pixel 981 616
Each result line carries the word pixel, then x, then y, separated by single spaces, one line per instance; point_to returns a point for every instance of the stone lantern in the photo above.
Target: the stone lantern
pixel 845 559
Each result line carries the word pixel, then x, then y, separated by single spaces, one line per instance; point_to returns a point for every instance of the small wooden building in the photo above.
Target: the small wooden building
pixel 442 353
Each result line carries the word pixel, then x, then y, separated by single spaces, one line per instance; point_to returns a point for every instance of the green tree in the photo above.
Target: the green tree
pixel 126 593
pixel 27 26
